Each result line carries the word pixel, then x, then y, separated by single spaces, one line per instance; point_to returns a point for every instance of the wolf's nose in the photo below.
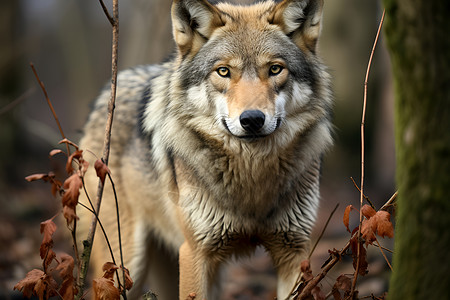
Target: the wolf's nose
pixel 252 120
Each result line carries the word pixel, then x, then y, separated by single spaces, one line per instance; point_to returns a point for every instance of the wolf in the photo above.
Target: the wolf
pixel 218 150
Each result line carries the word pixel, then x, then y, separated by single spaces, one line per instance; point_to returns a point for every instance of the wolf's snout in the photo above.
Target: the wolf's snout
pixel 252 120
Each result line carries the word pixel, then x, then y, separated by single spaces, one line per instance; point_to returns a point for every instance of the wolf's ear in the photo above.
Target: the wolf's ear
pixel 193 22
pixel 300 20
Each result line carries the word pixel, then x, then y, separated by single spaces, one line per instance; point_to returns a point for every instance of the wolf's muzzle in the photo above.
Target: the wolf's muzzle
pixel 252 120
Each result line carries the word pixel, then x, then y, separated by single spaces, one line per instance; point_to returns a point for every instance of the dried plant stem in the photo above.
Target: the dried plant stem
pixel 363 118
pixel 16 101
pixel 41 84
pixel 334 259
pixel 114 20
pixel 55 116
pixel 298 281
pixel 323 231
pixel 382 252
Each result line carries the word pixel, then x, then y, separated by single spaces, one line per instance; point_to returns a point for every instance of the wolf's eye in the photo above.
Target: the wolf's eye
pixel 275 70
pixel 223 72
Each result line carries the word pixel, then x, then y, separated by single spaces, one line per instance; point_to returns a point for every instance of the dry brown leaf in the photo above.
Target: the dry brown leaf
pixel 346 218
pixel 384 224
pixel 379 224
pixel 362 255
pixel 102 169
pixel 368 211
pixel 26 285
pixel 104 289
pixel 305 267
pixel 45 287
pixel 128 281
pixel 69 214
pixel 65 268
pixel 76 155
pixel 69 142
pixel 343 283
pixel 48 228
pixel 35 177
pixel 191 296
pixel 317 293
pixel 109 268
pixel 55 152
pixel 37 283
pixel 72 187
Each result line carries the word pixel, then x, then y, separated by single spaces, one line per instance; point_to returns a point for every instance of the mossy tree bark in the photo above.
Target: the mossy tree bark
pixel 418 34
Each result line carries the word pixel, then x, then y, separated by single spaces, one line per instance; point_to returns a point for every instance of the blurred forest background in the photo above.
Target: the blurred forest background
pixel 69 42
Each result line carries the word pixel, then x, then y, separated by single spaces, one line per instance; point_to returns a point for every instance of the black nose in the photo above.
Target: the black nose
pixel 252 120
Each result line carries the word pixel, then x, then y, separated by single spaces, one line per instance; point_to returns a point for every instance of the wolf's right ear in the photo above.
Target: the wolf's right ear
pixel 300 20
pixel 193 22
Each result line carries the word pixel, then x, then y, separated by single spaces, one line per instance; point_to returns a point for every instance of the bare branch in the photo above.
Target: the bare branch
pixel 107 139
pixel 363 119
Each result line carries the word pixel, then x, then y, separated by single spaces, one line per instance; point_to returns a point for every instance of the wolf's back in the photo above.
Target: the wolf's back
pixel 133 87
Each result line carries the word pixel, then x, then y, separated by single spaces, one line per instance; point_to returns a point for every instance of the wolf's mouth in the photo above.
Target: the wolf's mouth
pixel 251 135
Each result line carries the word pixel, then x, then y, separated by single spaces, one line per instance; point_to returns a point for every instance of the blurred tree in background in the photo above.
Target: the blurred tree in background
pixel 418 35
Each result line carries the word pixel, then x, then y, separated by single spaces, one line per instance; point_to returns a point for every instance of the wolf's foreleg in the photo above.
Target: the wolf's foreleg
pixel 198 274
pixel 287 254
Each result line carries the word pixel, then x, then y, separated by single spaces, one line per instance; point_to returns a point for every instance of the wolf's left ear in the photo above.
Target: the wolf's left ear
pixel 193 22
pixel 300 20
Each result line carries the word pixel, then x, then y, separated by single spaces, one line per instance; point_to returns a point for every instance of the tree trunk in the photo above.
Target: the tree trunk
pixel 418 34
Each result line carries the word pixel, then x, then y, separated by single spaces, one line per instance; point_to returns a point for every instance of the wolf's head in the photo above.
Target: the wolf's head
pixel 252 68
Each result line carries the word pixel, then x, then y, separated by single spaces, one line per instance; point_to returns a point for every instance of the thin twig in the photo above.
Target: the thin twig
pixel 382 252
pixel 389 202
pixel 363 118
pixel 359 190
pixel 92 210
pixel 107 140
pixel 55 116
pixel 107 14
pixel 323 230
pixel 334 259
pixel 118 226
pixel 297 282
pixel 41 84
pixel 17 101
